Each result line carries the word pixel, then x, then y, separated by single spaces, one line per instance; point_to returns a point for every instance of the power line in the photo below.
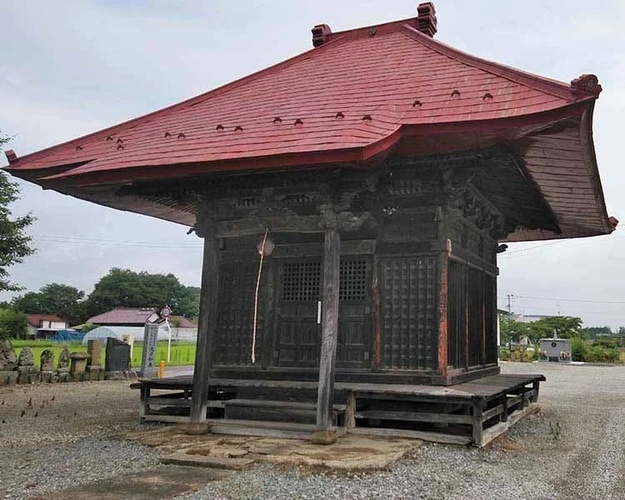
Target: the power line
pixel 571 300
pixel 103 242
pixel 506 254
pixel 565 240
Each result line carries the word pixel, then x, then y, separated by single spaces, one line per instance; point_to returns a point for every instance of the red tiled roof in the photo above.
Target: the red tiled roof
pixel 353 73
pixel 360 95
pixel 126 315
pixel 181 322
pixel 36 319
pixel 122 315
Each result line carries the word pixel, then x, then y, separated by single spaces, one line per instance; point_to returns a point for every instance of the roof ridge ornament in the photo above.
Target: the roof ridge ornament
pixel 586 85
pixel 11 156
pixel 426 19
pixel 321 34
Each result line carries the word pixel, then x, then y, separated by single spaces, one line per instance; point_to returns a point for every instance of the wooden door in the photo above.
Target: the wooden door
pixel 298 329
pixel 298 332
pixel 355 323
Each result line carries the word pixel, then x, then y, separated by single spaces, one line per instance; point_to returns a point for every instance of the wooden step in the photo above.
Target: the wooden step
pixel 276 411
pixel 262 428
pixel 185 459
pixel 264 403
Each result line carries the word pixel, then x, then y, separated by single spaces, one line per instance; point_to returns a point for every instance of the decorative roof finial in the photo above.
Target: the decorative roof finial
pixel 11 156
pixel 586 85
pixel 426 19
pixel 321 33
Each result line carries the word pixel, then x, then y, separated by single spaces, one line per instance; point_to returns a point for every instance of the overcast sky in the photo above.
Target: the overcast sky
pixel 70 67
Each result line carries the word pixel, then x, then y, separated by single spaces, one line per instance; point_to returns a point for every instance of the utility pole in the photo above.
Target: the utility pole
pixel 509 297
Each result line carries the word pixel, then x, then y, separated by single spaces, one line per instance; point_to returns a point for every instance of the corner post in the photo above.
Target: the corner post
pixel 206 330
pixel 442 354
pixel 324 433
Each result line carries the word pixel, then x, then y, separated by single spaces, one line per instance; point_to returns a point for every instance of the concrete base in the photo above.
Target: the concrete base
pixel 95 373
pixel 196 428
pixel 323 437
pixel 120 375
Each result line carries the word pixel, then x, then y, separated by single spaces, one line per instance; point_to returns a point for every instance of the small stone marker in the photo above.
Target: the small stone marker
pixel 78 363
pixel 8 363
pixel 8 358
pixel 148 358
pixel 26 361
pixel 47 360
pixel 94 350
pixel 26 366
pixel 94 367
pixel 64 361
pixel 46 363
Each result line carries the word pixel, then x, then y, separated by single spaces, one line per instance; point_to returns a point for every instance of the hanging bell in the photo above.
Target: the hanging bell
pixel 268 249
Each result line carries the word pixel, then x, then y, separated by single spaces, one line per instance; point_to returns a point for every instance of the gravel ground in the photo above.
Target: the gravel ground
pixel 574 448
pixel 68 434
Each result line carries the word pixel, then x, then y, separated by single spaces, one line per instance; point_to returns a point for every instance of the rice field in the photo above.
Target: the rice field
pixel 182 353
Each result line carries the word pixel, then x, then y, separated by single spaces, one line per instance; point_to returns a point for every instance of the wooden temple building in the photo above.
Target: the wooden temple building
pixel 377 175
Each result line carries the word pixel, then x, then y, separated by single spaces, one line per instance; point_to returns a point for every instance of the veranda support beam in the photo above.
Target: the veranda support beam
pixel 324 433
pixel 206 331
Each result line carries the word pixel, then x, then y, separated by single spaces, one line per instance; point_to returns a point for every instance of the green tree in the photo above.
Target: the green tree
pixel 564 326
pixel 13 324
pixel 54 298
pixel 126 288
pixel 15 244
pixel 512 330
pixel 592 332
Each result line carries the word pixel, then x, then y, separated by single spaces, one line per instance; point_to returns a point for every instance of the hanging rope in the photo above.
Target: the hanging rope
pixel 260 270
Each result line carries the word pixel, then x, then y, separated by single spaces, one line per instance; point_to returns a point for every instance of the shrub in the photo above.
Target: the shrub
pixel 13 324
pixel 579 349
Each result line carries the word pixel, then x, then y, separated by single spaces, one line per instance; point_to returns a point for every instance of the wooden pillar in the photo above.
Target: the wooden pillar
pixel 206 330
pixel 325 434
pixel 442 315
pixel 376 316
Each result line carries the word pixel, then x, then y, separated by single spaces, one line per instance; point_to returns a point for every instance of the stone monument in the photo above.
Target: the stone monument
pixel 46 364
pixel 94 366
pixel 47 360
pixel 148 358
pixel 64 361
pixel 8 358
pixel 26 366
pixel 117 360
pixel 8 363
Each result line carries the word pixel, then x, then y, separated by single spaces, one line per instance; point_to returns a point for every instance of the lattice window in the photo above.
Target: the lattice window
pixel 353 280
pixel 300 280
pixel 408 307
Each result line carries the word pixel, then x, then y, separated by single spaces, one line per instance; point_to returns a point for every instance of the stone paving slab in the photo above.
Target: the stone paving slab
pixel 154 484
pixel 349 453
pixel 212 462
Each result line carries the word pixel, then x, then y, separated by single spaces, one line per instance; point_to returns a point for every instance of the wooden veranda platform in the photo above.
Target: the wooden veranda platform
pixel 471 413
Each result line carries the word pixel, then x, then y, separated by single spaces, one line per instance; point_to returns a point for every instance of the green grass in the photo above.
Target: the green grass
pixel 182 353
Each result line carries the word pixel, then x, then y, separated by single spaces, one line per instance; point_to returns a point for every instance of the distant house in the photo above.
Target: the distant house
pixel 134 319
pixel 529 318
pixel 42 326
